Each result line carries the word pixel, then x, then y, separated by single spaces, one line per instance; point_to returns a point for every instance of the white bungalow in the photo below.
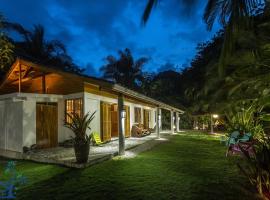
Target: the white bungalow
pixel 35 100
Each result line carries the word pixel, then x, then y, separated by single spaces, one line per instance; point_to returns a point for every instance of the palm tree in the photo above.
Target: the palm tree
pixel 35 46
pixel 6 49
pixel 124 70
pixel 230 12
pixel 152 3
pixel 233 15
pixel 246 76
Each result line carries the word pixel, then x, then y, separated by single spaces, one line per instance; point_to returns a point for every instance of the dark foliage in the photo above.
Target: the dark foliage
pixel 124 70
pixel 35 47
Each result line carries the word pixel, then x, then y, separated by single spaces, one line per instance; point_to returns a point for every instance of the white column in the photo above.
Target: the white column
pixel 20 78
pixel 158 118
pixel 177 122
pixel 121 124
pixel 212 128
pixel 172 122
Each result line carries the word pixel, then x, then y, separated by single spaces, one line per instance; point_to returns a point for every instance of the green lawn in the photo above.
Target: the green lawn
pixel 189 166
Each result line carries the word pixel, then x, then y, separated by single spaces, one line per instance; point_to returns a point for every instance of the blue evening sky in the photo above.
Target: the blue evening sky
pixel 93 29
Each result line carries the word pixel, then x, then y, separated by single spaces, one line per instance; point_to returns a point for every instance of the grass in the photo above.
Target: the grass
pixel 189 166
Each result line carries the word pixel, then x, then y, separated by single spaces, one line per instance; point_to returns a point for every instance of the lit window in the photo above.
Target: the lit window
pixel 73 106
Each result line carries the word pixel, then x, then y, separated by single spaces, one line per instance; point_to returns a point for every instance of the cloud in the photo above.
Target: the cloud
pixel 94 29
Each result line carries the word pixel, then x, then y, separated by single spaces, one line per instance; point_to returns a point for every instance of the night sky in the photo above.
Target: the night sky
pixel 93 29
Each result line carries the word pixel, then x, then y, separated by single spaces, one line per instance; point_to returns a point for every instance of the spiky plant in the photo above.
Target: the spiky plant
pixel 257 167
pixel 79 125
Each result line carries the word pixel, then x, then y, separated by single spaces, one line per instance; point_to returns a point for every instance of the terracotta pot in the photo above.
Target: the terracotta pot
pixel 82 152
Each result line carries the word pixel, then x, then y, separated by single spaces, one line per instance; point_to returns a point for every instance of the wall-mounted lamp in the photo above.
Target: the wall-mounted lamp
pixel 123 114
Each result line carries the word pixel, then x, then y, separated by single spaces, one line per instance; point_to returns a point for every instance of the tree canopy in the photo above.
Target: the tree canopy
pixel 34 46
pixel 124 70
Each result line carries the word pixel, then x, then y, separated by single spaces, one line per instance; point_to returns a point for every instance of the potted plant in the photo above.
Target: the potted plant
pixel 81 141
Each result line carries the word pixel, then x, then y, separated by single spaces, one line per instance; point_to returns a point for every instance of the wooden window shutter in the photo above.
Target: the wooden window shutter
pixel 146 119
pixel 127 121
pixel 105 120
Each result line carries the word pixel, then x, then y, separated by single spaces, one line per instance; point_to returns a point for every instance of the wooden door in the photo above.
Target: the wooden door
pixel 46 125
pixel 127 121
pixel 105 120
pixel 146 118
pixel 114 114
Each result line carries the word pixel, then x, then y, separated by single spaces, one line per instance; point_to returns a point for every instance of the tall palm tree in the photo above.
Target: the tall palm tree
pixel 246 76
pixel 124 70
pixel 152 3
pixel 233 15
pixel 35 46
pixel 6 49
pixel 230 12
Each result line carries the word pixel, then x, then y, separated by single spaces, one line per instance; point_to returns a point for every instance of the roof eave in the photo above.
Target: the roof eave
pixel 128 92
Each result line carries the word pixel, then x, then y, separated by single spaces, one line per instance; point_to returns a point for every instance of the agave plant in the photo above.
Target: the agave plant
pixel 246 117
pixel 79 126
pixel 257 167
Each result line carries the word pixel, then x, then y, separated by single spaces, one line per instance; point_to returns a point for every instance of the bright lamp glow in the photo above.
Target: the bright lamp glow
pixel 123 114
pixel 215 116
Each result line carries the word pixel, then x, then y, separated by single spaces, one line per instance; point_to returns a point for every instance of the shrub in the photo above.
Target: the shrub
pixel 186 121
pixel 257 167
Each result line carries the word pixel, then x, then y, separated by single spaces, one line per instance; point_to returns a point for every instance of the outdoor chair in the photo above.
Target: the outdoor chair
pixel 233 138
pixel 243 146
pixel 96 139
pixel 245 138
pixel 236 144
pixel 138 131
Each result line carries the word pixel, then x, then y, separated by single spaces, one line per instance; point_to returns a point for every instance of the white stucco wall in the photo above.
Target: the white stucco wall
pixel 29 122
pixel 18 116
pixel 11 114
pixel 2 126
pixel 29 117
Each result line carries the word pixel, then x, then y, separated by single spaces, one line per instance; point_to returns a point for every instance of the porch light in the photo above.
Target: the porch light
pixel 123 114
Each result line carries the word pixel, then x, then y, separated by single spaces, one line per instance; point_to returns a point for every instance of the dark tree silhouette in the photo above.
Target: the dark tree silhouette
pixel 35 46
pixel 233 15
pixel 6 49
pixel 124 70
